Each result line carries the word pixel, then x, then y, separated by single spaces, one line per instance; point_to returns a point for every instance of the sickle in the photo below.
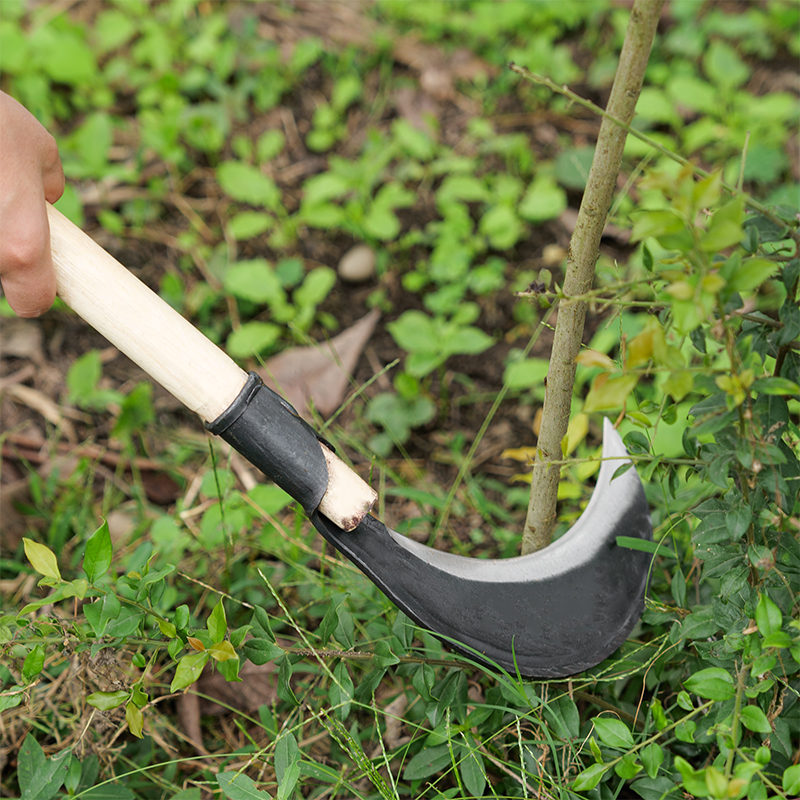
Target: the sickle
pixel 551 613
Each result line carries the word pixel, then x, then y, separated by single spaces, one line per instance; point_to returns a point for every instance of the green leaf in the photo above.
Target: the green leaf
pixel 645 545
pixel 33 664
pixel 751 273
pixel 723 65
pixel 768 616
pixel 260 651
pixel 427 762
pixel 287 764
pixel 107 700
pixel 188 670
pixel 526 373
pixel 216 623
pixel 754 719
pixel 99 552
pixel 76 588
pixel 135 719
pixel 341 691
pixel 791 780
pixel 652 757
pixel 254 280
pixel 252 338
pixel 725 229
pixel 39 777
pixel 655 223
pixel 238 786
pixel 694 781
pixel 613 733
pixel 545 199
pixel 590 777
pixel 776 386
pixel 712 683
pixel 501 226
pixel 248 224
pixel 222 651
pixel 608 393
pixel 42 559
pixel 248 184
pixel 473 773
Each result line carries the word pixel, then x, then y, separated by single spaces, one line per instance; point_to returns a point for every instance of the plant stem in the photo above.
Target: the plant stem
pixel 583 252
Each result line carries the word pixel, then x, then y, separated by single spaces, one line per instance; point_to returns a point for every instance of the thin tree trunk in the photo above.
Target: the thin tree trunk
pixel 583 252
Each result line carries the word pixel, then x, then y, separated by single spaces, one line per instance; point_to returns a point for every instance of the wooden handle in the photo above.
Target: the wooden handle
pixel 142 325
pixel 171 350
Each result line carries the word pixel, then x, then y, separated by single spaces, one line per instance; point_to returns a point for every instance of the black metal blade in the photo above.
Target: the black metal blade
pixel 552 613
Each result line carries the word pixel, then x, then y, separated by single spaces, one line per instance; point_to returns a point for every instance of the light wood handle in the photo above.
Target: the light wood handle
pixel 140 324
pixel 171 350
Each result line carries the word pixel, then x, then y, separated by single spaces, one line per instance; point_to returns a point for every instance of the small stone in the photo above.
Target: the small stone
pixel 553 255
pixel 357 264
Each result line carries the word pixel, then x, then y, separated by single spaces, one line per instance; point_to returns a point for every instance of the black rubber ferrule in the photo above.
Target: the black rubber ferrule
pixel 270 434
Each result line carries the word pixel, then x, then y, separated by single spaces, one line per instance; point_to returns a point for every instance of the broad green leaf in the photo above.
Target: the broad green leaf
pixel 99 552
pixel 613 733
pixel 238 786
pixel 341 691
pixel 222 651
pixel 501 226
pixel 723 65
pixel 473 773
pixel 248 184
pixel 725 228
pixel 652 757
pixel 791 780
pixel 254 280
pixel 107 700
pixel 427 762
pixel 754 719
pixel 42 559
pixel 188 670
pixel 216 623
pixel 694 781
pixel 751 273
pixel 713 683
pixel 608 393
pixel 590 777
pixel 525 374
pixel 768 616
pixel 545 199
pixel 65 56
pixel 39 777
pixel 252 338
pixel 777 386
pixel 467 340
pixel 248 224
pixel 381 223
pixel 656 223
pixel 33 664
pixel 76 588
pixel 287 762
pixel 324 187
pixel 260 651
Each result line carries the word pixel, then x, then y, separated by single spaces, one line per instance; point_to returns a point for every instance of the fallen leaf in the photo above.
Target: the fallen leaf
pixel 317 377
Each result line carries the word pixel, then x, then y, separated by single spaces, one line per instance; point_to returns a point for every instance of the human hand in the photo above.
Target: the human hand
pixel 30 174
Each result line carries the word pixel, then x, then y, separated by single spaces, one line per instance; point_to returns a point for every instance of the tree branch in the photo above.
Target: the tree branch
pixel 583 252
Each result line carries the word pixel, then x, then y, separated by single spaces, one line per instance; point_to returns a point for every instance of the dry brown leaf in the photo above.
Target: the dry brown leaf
pixel 317 377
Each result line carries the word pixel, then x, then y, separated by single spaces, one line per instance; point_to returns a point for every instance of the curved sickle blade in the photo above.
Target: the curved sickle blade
pixel 551 613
